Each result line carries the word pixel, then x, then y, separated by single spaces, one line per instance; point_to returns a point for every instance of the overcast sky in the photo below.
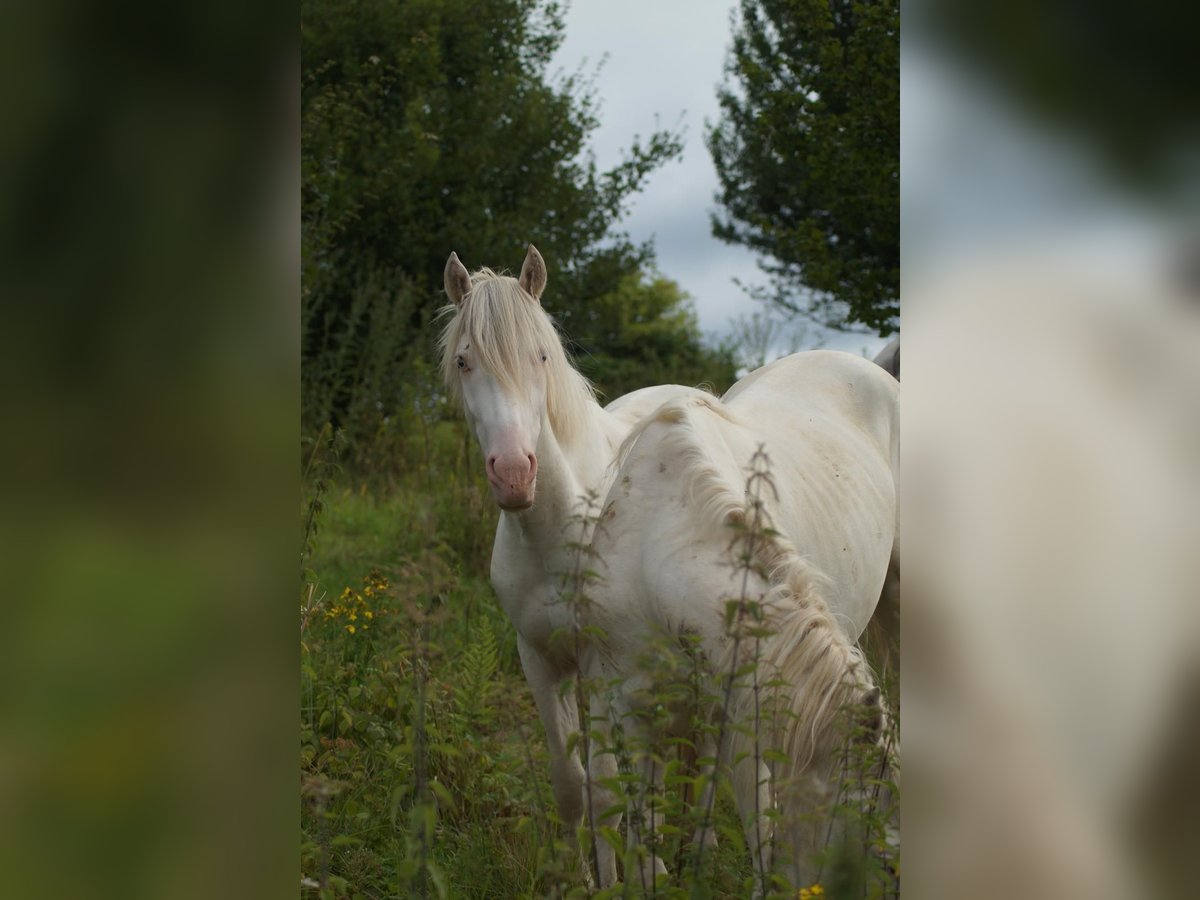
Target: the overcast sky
pixel 665 59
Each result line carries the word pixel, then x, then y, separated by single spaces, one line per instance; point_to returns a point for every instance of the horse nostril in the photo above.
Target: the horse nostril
pixel 507 468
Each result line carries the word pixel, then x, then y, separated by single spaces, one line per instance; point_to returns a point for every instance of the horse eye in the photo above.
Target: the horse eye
pixel 543 357
pixel 460 362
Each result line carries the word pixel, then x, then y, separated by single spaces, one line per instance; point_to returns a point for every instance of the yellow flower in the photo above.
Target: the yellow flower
pixel 350 628
pixel 811 893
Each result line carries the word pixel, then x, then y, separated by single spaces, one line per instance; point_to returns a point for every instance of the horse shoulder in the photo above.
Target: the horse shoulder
pixel 519 579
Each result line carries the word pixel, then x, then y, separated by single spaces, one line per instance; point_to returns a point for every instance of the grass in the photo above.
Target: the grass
pixel 424 771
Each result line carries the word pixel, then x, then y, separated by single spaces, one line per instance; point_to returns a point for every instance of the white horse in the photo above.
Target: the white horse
pixel 828 422
pixel 547 444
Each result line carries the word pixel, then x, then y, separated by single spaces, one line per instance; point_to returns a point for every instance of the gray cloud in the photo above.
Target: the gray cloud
pixel 665 59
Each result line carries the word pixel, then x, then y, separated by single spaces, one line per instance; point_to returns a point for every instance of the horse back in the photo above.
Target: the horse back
pixel 829 385
pixel 821 425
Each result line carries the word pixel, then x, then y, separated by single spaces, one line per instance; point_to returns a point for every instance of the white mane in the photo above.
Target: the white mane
pixel 809 648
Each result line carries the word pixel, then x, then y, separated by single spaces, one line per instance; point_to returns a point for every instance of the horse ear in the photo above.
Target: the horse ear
pixel 533 273
pixel 456 279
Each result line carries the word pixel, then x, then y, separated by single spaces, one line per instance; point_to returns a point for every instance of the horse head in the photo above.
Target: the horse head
pixel 496 351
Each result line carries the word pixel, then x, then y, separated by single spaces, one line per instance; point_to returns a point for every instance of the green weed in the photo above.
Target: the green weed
pixel 424 771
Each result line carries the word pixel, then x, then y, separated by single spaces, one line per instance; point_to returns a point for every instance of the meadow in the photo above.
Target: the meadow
pixel 422 759
pixel 423 762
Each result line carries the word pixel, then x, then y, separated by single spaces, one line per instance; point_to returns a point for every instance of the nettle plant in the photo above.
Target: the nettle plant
pixel 672 786
pixel 424 770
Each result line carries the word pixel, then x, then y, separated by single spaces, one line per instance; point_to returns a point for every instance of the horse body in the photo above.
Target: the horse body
pixel 827 423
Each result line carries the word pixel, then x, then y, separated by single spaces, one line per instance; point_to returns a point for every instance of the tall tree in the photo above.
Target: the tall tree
pixel 645 331
pixel 431 126
pixel 807 150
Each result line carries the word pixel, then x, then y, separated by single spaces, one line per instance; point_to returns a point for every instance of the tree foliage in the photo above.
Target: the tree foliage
pixel 430 126
pixel 807 151
pixel 645 332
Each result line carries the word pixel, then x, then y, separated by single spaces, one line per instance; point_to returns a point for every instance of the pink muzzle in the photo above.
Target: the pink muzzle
pixel 512 477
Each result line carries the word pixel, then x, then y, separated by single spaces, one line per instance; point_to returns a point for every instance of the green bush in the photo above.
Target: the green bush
pixel 423 764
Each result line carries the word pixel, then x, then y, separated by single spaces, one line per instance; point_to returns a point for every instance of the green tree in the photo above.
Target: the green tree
pixel 430 126
pixel 807 150
pixel 643 332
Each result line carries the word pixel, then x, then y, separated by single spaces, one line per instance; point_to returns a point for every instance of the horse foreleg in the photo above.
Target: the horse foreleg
pixel 603 772
pixel 560 716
